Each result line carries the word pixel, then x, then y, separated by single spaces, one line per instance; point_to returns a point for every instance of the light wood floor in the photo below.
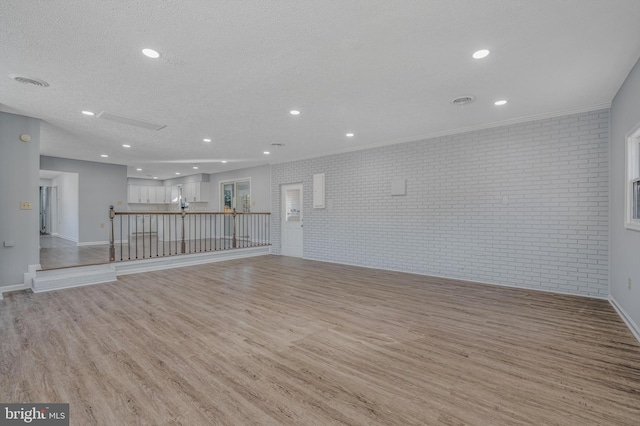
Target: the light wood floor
pixel 56 252
pixel 282 341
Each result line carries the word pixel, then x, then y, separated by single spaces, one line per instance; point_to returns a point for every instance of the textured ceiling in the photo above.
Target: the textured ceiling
pixel 231 71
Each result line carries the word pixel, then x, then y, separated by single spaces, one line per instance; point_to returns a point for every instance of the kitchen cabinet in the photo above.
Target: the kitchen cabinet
pixel 196 192
pixel 138 194
pixel 157 195
pixel 161 194
pixel 191 192
pixel 152 198
pixel 142 194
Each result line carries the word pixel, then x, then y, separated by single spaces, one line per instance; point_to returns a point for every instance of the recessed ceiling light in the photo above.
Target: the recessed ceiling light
pixel 150 53
pixel 501 102
pixel 349 135
pixel 481 54
pixel 104 156
pixel 266 153
pixel 223 161
pixel 124 145
pixel 177 173
pixel 206 140
pixel 88 113
pixel 195 167
pixel 139 170
pixel 294 112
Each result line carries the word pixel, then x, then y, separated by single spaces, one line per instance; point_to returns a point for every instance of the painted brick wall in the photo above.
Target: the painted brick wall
pixel 522 205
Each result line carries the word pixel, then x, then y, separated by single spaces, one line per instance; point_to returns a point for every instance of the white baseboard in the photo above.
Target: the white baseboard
pixel 28 277
pixel 626 318
pixel 9 288
pixel 64 237
pixel 179 261
pixel 635 330
pixel 544 290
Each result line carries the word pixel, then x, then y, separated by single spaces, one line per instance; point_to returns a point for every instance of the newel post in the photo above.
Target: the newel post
pixel 112 247
pixel 183 247
pixel 234 243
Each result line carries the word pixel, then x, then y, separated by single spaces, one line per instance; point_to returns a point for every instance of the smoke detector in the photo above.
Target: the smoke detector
pixel 463 100
pixel 29 80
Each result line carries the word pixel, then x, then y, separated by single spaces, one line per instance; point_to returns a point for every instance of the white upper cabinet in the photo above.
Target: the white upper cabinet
pixel 157 195
pixel 133 194
pixel 191 192
pixel 162 194
pixel 142 194
pixel 196 192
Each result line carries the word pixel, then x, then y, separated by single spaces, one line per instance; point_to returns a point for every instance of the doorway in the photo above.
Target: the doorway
pixel 45 210
pixel 292 220
pixel 235 196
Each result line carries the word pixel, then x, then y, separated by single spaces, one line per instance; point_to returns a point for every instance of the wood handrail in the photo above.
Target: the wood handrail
pixel 240 229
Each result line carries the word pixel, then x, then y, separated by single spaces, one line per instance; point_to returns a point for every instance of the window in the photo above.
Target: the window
pixel 632 195
pixel 236 195
pixel 293 203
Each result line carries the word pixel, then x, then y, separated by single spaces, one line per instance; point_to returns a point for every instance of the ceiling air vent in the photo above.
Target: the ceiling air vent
pixel 122 119
pixel 29 80
pixel 463 100
pixel 277 144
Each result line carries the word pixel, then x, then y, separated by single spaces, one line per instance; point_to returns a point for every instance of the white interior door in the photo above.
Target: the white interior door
pixel 292 216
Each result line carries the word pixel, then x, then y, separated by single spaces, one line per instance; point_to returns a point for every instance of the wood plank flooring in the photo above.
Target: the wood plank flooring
pixel 283 341
pixel 56 252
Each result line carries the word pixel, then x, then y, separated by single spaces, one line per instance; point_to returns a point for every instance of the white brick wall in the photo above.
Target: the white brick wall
pixel 552 233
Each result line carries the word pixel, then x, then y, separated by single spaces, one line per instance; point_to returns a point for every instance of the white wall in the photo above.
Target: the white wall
pixel 67 214
pixel 99 186
pixel 624 243
pixel 19 177
pixel 260 187
pixel 523 205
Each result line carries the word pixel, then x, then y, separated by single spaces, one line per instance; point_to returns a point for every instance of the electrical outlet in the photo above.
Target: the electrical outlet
pixel 25 205
pixel 629 283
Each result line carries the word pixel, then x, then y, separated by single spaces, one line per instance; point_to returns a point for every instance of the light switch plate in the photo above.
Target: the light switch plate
pixel 25 205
